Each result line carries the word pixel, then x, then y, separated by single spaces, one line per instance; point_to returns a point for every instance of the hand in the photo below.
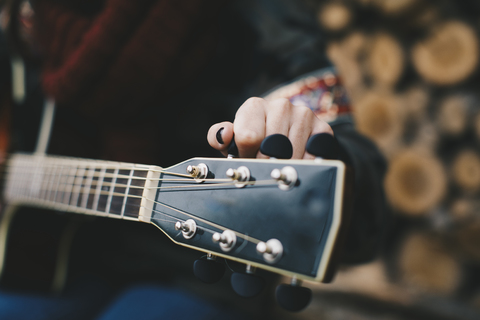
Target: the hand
pixel 258 118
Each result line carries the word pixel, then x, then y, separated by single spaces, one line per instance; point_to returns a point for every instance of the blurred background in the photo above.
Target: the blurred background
pixel 411 69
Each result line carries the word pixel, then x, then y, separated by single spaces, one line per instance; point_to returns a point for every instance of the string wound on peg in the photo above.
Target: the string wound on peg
pixel 199 173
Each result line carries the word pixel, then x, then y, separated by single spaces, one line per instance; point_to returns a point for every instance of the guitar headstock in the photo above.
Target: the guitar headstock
pixel 283 216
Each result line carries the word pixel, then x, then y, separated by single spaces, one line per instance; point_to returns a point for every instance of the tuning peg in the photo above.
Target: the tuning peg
pixel 277 146
pixel 227 239
pixel 293 297
pixel 323 145
pixel 247 285
pixel 208 269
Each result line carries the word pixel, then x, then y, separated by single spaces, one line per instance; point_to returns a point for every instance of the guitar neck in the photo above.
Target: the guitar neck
pixel 103 188
pixel 296 215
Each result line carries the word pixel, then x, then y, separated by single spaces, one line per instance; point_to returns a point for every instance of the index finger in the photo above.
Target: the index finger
pixel 249 127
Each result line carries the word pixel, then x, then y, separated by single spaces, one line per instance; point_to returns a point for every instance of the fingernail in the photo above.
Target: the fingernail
pixel 219 135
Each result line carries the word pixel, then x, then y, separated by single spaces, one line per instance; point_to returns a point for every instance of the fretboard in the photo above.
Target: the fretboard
pixel 105 188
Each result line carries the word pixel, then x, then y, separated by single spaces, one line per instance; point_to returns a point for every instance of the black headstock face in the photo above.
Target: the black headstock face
pixel 298 222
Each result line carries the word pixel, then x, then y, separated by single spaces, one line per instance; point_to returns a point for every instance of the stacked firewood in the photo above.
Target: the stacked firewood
pixel 411 68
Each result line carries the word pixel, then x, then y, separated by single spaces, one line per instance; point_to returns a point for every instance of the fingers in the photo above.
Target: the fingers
pixel 304 125
pixel 220 135
pixel 249 127
pixel 258 118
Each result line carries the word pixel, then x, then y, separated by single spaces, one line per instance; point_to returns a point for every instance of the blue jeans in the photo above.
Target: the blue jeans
pixel 93 301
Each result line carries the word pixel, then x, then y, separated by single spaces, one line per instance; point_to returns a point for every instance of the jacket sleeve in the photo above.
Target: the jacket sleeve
pixel 370 214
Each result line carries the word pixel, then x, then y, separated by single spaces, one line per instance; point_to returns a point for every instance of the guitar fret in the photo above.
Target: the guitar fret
pixel 87 187
pixel 20 175
pixel 82 186
pixel 105 191
pixel 43 186
pixel 119 191
pixel 21 182
pixel 58 182
pixel 50 180
pixel 63 185
pixel 134 203
pixel 70 182
pixel 37 181
pixel 93 186
pixel 127 189
pixel 99 188
pixel 77 187
pixel 112 188
pixel 55 181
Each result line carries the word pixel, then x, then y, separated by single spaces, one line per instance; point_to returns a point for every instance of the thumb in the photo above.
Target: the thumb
pixel 220 135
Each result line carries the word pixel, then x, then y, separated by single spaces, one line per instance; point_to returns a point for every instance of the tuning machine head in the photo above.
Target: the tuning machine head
pixel 188 228
pixel 241 176
pixel 227 239
pixel 286 177
pixel 271 250
pixel 199 173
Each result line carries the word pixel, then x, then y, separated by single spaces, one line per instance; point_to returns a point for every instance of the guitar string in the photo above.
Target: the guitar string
pixel 121 176
pixel 112 175
pixel 117 176
pixel 32 159
pixel 49 163
pixel 60 205
pixel 116 184
pixel 8 166
pixel 228 182
pixel 193 182
pixel 109 193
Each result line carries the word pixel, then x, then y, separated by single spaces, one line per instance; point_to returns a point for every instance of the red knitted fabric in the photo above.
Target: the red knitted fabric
pixel 131 54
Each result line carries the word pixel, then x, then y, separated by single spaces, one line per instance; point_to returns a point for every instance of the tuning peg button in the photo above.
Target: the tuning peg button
pixel 232 149
pixel 323 145
pixel 293 297
pixel 277 146
pixel 247 285
pixel 208 270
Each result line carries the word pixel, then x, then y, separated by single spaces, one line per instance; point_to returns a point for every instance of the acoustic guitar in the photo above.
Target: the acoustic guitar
pixel 283 216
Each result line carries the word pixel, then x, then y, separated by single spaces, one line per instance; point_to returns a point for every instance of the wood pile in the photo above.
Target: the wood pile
pixel 411 68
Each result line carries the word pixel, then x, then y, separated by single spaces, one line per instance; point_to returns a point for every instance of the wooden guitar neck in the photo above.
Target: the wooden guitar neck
pixel 95 187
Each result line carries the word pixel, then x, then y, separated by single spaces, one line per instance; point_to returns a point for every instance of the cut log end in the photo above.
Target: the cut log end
pixel 452 115
pixel 379 117
pixel 416 100
pixel 395 6
pixel 466 170
pixel 449 55
pixel 465 209
pixel 334 16
pixel 426 265
pixel 385 60
pixel 415 183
